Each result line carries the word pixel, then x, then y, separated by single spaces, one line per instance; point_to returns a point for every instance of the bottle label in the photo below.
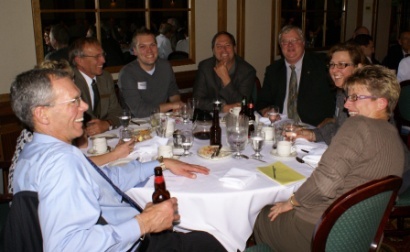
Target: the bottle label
pixel 251 122
pixel 159 179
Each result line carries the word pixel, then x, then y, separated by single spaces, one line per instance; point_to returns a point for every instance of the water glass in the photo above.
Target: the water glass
pixel 185 113
pixel 192 104
pixel 290 129
pixel 126 134
pixel 125 118
pixel 257 139
pixel 237 133
pixel 273 115
pixel 187 141
pixel 162 125
pixel 154 118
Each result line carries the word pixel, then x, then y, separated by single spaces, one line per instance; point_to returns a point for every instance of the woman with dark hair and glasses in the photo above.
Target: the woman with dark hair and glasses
pixel 366 147
pixel 344 59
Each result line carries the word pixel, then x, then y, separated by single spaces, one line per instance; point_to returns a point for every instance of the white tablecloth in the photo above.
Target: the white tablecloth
pixel 206 204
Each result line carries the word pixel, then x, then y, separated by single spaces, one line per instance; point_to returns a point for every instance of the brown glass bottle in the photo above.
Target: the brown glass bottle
pixel 161 193
pixel 251 115
pixel 244 106
pixel 215 130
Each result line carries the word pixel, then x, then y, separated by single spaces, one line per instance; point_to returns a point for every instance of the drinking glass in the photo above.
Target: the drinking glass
pixel 162 125
pixel 192 104
pixel 185 113
pixel 237 133
pixel 290 129
pixel 126 134
pixel 257 139
pixel 273 115
pixel 187 141
pixel 154 118
pixel 125 118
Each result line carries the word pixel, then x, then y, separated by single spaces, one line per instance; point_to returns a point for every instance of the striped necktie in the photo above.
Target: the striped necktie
pixel 293 95
pixel 96 96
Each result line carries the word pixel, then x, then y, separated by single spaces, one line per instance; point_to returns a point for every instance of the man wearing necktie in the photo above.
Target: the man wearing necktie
pixel 298 83
pixel 96 85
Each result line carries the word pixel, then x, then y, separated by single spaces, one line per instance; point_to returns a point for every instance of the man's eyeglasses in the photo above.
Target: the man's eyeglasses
pixel 289 42
pixel 95 56
pixel 340 65
pixel 355 97
pixel 76 101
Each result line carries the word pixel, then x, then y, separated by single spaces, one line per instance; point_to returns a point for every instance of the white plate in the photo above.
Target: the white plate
pixel 91 152
pixel 136 127
pixel 139 121
pixel 106 135
pixel 206 152
pixel 119 162
pixel 275 153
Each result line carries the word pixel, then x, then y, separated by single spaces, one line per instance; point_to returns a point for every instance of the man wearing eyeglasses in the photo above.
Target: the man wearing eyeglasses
pixel 96 85
pixel 311 97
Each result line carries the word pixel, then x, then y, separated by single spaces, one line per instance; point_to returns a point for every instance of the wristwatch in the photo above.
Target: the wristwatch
pixel 160 159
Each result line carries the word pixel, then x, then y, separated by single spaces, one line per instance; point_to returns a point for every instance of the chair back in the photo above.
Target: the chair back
pixel 22 230
pixel 355 221
pixel 404 101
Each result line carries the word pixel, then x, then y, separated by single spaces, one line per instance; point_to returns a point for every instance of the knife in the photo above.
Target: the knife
pixel 218 150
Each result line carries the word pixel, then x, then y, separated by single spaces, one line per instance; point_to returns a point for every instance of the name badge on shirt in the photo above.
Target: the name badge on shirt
pixel 336 111
pixel 142 85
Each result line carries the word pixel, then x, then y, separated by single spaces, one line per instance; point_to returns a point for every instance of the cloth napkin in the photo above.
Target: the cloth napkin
pixel 303 144
pixel 314 156
pixel 146 150
pixel 237 178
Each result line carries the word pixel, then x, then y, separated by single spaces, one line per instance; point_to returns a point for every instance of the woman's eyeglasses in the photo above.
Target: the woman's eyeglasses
pixel 340 65
pixel 355 97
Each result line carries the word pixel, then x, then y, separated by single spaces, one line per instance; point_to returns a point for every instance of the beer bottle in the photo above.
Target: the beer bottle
pixel 215 130
pixel 161 193
pixel 244 106
pixel 251 115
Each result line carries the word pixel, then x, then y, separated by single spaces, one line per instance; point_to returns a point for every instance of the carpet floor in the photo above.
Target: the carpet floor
pixel 396 244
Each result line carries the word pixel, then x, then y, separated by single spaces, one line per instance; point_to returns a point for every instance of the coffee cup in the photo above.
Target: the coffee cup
pixel 99 145
pixel 235 110
pixel 284 148
pixel 165 151
pixel 269 133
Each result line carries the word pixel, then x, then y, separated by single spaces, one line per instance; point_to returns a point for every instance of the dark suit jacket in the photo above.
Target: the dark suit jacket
pixel 393 57
pixel 208 85
pixel 109 108
pixel 316 96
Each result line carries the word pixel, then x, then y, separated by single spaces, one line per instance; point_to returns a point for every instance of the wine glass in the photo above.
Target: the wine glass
pixel 125 118
pixel 162 125
pixel 185 113
pixel 187 141
pixel 273 115
pixel 257 139
pixel 290 129
pixel 237 133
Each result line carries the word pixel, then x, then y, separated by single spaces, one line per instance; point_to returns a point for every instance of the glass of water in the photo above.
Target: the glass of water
pixel 126 134
pixel 185 113
pixel 257 139
pixel 125 118
pixel 187 141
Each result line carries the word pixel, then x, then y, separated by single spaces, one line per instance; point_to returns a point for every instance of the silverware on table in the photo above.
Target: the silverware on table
pixel 218 150
pixel 274 171
pixel 300 160
pixel 244 156
pixel 263 161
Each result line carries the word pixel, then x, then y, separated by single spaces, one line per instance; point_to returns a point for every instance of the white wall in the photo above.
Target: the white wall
pixel 17 41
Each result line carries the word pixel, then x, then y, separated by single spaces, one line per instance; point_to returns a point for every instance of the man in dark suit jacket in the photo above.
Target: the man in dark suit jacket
pixel 397 52
pixel 87 56
pixel 224 76
pixel 315 97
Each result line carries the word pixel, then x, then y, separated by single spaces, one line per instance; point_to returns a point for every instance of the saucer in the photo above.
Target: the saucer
pixel 275 153
pixel 92 152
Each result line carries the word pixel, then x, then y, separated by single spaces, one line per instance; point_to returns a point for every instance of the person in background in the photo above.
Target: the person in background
pixel 47 48
pixel 69 184
pixel 360 30
pixel 367 46
pixel 96 85
pixel 225 75
pixel 397 52
pixel 163 42
pixel 183 44
pixel 121 150
pixel 59 39
pixel 350 161
pixel 148 83
pixel 403 72
pixel 313 97
pixel 344 59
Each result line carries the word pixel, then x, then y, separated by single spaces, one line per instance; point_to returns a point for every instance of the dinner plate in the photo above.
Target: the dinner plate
pixel 137 127
pixel 139 121
pixel 119 162
pixel 275 153
pixel 207 151
pixel 91 152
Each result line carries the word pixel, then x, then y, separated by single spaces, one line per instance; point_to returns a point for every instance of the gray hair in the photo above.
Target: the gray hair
pixel 32 89
pixel 288 28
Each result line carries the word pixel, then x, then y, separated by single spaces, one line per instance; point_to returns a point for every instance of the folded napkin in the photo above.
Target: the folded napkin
pixel 283 174
pixel 303 144
pixel 237 178
pixel 314 156
pixel 146 150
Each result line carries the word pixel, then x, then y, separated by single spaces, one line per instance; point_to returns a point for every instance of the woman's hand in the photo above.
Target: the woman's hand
pixel 279 208
pixel 184 169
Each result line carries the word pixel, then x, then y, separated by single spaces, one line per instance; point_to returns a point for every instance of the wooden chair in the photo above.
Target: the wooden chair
pixel 355 221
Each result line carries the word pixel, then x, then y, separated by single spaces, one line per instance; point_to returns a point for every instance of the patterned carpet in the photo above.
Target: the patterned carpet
pixel 396 244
